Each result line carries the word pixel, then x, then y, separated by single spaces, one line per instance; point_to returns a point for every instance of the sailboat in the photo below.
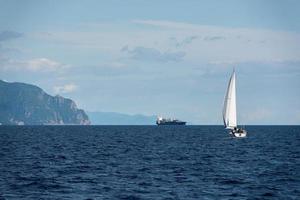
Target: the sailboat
pixel 229 110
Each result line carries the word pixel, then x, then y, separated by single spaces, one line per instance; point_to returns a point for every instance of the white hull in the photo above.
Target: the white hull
pixel 239 134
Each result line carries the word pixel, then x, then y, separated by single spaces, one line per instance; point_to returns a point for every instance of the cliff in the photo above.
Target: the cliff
pixel 24 104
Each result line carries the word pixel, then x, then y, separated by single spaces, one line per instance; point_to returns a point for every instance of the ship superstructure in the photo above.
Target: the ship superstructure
pixel 169 121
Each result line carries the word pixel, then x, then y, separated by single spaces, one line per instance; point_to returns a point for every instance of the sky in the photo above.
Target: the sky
pixel 170 58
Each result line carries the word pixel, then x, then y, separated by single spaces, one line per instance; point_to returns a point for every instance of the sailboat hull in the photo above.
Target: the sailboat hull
pixel 239 133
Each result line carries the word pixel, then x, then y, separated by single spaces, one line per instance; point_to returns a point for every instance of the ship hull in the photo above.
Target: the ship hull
pixel 171 123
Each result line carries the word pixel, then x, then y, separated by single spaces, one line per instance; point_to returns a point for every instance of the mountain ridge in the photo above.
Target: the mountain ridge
pixel 27 104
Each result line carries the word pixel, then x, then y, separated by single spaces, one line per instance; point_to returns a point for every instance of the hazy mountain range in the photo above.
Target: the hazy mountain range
pixel 113 118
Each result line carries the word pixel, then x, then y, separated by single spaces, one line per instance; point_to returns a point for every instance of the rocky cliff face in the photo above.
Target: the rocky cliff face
pixel 24 104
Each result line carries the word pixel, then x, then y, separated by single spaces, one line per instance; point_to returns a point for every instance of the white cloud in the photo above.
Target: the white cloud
pixel 201 43
pixel 68 88
pixel 166 24
pixel 44 64
pixel 178 43
pixel 225 44
pixel 33 65
pixel 152 54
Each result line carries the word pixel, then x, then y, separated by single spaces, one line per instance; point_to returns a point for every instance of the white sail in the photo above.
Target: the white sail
pixel 229 109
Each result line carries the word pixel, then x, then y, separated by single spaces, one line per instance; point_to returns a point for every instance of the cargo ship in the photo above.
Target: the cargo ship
pixel 164 121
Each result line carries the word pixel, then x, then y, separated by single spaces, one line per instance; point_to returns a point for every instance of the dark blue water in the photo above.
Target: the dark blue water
pixel 148 162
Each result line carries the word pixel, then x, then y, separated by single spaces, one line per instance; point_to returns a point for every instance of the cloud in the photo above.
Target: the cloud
pixel 68 88
pixel 166 24
pixel 33 65
pixel 186 41
pixel 6 51
pixel 152 54
pixel 44 64
pixel 8 35
pixel 224 44
pixel 213 38
pixel 200 43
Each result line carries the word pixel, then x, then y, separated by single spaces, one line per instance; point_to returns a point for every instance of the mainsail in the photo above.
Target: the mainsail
pixel 229 109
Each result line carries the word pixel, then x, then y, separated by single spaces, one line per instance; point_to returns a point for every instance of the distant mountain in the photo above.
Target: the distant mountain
pixel 24 104
pixel 112 118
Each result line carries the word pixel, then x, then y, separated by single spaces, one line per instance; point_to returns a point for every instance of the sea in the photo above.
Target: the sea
pixel 149 162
